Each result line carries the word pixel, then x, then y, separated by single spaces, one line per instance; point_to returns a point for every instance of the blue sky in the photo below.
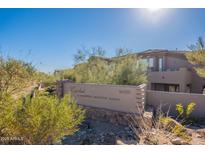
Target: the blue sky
pixel 50 37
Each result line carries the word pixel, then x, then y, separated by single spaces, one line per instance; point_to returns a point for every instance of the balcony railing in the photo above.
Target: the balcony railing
pixel 167 70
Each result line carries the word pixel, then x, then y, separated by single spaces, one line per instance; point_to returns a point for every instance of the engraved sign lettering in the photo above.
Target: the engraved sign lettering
pixel 113 97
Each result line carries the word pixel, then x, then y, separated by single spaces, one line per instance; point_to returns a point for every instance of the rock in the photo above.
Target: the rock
pixel 111 134
pixel 127 128
pixel 153 133
pixel 176 141
pixel 86 141
pixel 146 120
pixel 119 142
pixel 59 142
pixel 201 132
pixel 185 143
pixel 100 133
pixel 125 142
pixel 82 132
pixel 109 139
pixel 198 136
pixel 131 142
pixel 90 130
pixel 189 131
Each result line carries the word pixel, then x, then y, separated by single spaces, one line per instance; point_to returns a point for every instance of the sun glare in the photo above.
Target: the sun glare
pixel 153 9
pixel 153 15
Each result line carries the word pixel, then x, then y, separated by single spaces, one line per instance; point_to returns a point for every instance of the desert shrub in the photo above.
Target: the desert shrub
pixel 180 109
pixel 190 108
pixel 123 71
pixel 197 56
pixel 91 66
pixel 7 112
pixel 164 128
pixel 171 125
pixel 42 119
pixel 15 75
pixel 168 123
pixel 178 128
pixel 185 113
pixel 64 74
pixel 180 131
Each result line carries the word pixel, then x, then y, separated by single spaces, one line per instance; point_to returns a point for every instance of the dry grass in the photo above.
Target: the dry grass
pixel 161 129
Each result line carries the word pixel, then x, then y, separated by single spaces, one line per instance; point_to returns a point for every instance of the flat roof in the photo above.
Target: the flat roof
pixel 147 53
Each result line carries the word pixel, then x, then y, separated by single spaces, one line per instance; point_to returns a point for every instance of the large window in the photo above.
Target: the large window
pixel 165 87
pixel 160 64
pixel 173 88
pixel 151 62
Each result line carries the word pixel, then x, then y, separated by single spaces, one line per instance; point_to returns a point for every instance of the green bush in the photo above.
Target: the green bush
pixel 40 120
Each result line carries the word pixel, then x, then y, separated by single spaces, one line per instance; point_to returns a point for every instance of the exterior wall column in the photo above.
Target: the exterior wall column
pixel 164 63
pixel 182 87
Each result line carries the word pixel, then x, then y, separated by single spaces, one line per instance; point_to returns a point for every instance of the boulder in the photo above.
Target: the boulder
pixel 176 141
pixel 120 142
pixel 145 121
pixel 198 136
pixel 201 132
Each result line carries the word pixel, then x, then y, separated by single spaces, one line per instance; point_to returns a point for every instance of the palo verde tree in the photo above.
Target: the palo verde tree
pixel 14 75
pixel 197 56
pixel 84 54
pixel 122 52
pixel 127 69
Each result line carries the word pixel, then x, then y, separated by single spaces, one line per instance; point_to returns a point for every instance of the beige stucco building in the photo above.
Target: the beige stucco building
pixel 171 71
pixel 168 70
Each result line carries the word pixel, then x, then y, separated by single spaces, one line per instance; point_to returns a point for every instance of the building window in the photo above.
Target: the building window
pixel 151 62
pixel 188 88
pixel 203 89
pixel 160 64
pixel 165 87
pixel 143 62
pixel 173 88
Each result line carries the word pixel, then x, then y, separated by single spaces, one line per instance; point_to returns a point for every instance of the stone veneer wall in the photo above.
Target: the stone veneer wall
pixel 128 119
pixel 111 116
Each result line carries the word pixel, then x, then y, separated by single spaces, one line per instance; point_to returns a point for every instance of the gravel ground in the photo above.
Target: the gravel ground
pixel 100 133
